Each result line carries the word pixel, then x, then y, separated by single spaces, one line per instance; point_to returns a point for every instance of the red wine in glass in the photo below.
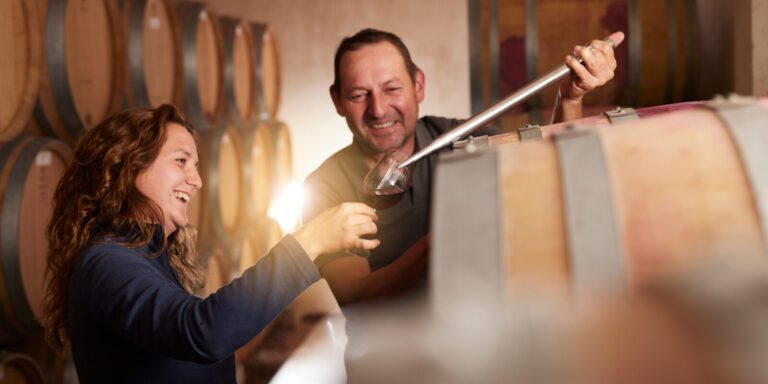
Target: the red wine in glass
pixel 385 184
pixel 383 199
pixel 383 187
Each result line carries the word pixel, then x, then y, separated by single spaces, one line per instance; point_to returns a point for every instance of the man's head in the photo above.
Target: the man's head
pixel 377 88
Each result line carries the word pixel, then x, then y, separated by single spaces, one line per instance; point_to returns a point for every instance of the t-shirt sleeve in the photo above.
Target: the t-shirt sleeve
pixel 128 294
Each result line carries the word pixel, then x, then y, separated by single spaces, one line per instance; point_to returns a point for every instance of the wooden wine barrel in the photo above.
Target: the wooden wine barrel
pixel 196 211
pixel 20 66
pixel 256 243
pixel 83 82
pixel 655 59
pixel 19 368
pixel 267 70
pixel 239 64
pixel 657 64
pixel 282 155
pixel 223 178
pixel 602 208
pixel 257 171
pixel 30 170
pixel 606 118
pixel 249 250
pixel 203 75
pixel 56 367
pixel 215 259
pixel 153 43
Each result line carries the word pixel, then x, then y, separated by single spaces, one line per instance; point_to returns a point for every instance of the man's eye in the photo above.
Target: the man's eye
pixel 393 89
pixel 356 97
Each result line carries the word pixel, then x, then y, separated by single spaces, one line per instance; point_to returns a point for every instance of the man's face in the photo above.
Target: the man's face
pixel 378 98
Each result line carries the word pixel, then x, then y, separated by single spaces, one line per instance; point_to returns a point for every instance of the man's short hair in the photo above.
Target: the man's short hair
pixel 370 36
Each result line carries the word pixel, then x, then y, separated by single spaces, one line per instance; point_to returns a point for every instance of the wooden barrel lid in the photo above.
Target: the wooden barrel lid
pixel 154 53
pixel 203 74
pixel 20 67
pixel 251 249
pixel 32 168
pixel 223 178
pixel 257 170
pixel 272 234
pixel 20 368
pixel 239 77
pixel 230 178
pixel 56 367
pixel 256 243
pixel 267 70
pixel 282 155
pixel 196 211
pixel 84 82
pixel 215 260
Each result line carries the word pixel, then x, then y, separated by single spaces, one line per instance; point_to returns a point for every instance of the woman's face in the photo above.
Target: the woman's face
pixel 172 180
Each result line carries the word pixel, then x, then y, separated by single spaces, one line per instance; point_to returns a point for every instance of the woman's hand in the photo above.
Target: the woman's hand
pixel 339 228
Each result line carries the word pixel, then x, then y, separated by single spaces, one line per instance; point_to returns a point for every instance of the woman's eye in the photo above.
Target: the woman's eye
pixel 182 161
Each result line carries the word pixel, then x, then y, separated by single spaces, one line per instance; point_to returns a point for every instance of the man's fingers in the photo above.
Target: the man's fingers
pixel 360 208
pixel 578 68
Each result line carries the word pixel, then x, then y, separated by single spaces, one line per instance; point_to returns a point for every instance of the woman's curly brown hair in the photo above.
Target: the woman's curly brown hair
pixel 97 198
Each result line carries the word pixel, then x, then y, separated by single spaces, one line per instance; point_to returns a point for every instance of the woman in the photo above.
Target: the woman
pixel 123 266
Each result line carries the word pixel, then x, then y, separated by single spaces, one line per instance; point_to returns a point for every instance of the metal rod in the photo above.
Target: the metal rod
pixel 492 112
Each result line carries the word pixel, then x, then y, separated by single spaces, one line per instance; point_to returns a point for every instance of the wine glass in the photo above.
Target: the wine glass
pixel 385 183
pixel 384 186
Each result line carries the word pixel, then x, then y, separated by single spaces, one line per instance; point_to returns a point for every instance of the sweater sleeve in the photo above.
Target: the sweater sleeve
pixel 123 291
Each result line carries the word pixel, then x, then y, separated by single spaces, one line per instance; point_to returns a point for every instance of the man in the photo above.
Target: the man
pixel 377 88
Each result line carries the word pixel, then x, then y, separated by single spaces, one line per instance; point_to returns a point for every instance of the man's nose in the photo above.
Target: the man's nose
pixel 377 106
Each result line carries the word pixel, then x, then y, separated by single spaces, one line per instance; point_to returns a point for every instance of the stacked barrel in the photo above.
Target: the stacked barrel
pixel 222 72
pixel 673 51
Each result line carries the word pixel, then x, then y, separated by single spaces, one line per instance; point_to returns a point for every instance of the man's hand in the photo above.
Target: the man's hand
pixel 597 68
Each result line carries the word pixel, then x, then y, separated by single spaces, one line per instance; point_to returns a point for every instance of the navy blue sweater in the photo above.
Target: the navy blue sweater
pixel 130 320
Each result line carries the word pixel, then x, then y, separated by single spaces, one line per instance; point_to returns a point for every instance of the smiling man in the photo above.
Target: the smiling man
pixel 377 88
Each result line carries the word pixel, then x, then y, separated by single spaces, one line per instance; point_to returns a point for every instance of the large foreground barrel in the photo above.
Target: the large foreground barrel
pixel 30 169
pixel 20 66
pixel 83 74
pixel 605 118
pixel 602 208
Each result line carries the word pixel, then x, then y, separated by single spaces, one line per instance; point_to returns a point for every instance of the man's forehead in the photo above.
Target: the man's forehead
pixel 382 50
pixel 382 63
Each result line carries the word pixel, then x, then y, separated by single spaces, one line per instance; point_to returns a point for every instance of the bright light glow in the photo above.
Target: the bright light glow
pixel 285 207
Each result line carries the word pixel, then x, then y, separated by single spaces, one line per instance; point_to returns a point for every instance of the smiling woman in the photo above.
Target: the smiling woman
pixel 172 179
pixel 121 252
